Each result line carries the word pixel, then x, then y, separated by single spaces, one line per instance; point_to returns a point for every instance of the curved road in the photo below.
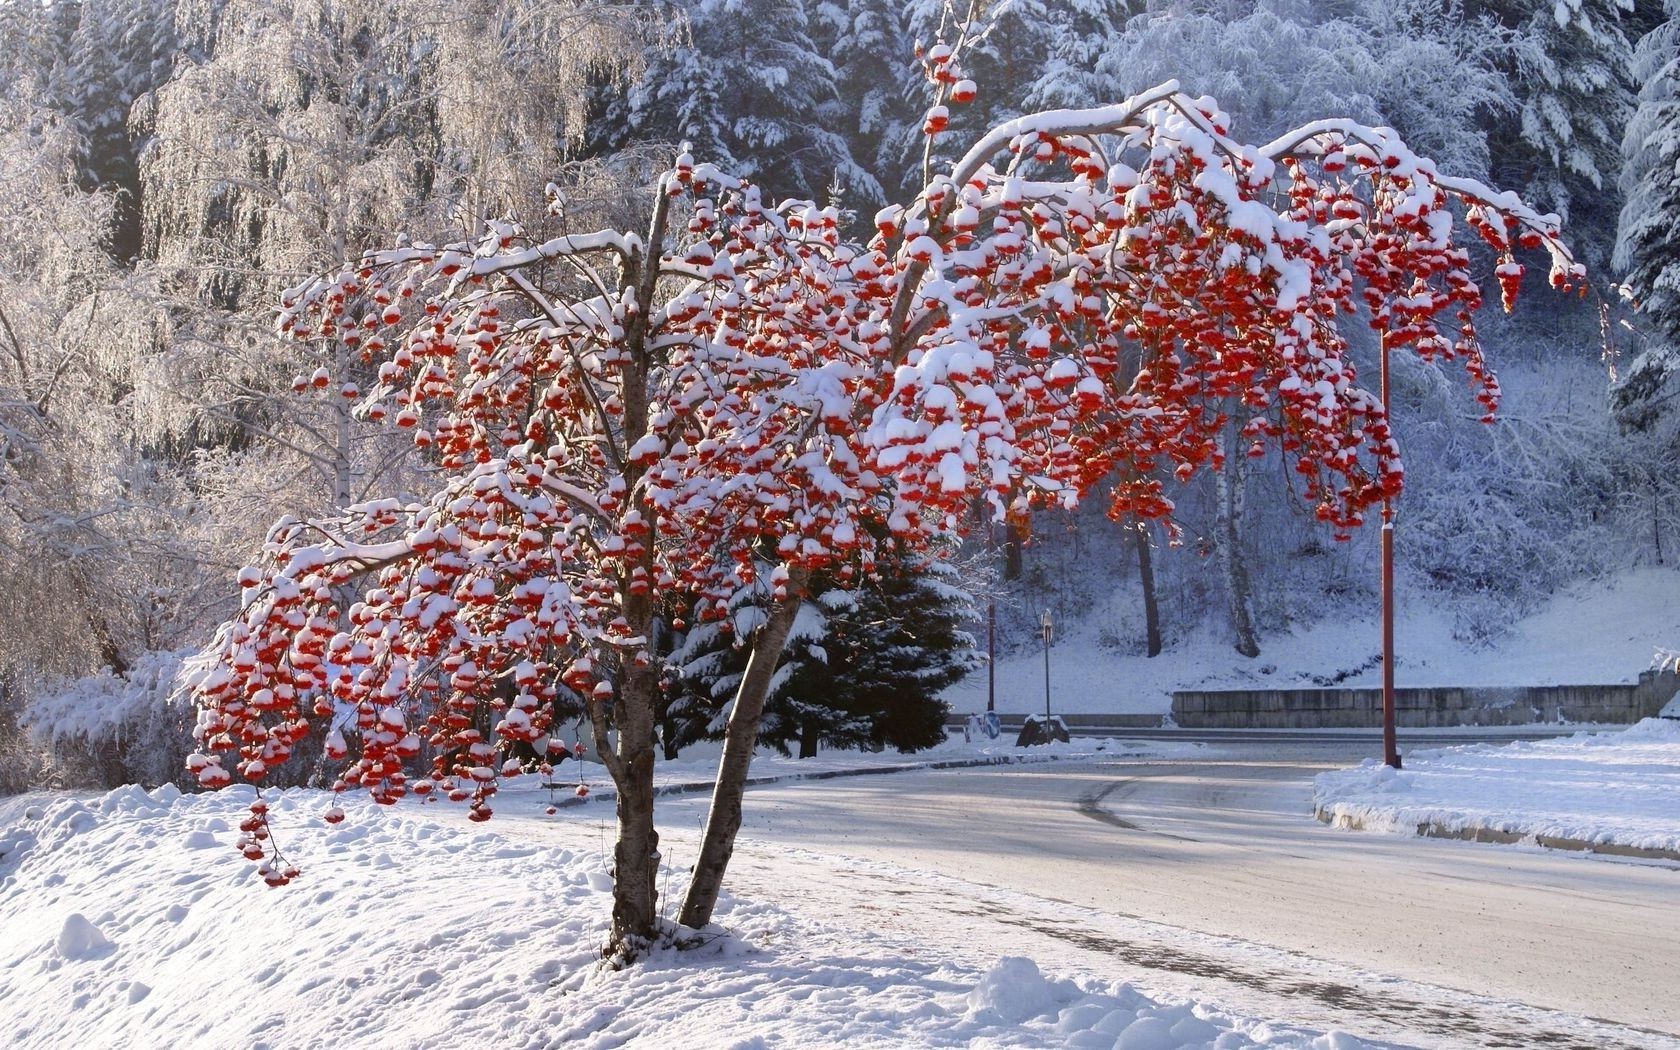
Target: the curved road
pixel 1207 876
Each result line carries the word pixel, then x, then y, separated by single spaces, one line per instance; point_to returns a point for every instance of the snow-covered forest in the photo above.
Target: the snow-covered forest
pixel 170 171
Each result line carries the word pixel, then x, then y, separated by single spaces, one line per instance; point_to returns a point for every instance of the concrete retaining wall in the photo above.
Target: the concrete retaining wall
pixel 1437 706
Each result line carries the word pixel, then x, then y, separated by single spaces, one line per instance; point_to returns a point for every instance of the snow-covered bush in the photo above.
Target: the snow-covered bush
pixel 115 729
pixel 24 763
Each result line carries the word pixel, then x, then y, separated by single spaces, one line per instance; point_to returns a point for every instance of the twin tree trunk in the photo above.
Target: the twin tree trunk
pixel 636 857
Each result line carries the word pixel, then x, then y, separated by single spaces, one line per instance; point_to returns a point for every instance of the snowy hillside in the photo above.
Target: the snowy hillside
pixel 1598 632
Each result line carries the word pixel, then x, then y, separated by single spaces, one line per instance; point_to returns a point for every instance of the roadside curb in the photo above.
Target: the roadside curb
pixel 1482 833
pixel 695 787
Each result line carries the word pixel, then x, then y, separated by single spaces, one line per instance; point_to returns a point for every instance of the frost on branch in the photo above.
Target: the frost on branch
pixel 625 426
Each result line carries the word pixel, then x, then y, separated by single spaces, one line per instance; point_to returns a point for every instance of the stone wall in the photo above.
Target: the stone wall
pixel 1436 706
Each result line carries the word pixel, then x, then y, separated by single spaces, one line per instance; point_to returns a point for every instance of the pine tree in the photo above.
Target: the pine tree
pixel 1647 248
pixel 862 668
pixel 1569 73
pixel 749 91
pixel 876 90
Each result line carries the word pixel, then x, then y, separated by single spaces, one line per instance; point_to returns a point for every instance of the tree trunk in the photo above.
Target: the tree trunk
pixel 1146 576
pixel 636 853
pixel 342 434
pixel 1228 484
pixel 724 819
pixel 809 734
pixel 635 915
pixel 1011 553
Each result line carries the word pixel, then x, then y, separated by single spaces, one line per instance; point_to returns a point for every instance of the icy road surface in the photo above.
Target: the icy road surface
pixel 1210 877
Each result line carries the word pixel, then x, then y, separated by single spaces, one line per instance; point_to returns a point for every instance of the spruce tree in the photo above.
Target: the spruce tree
pixel 862 669
pixel 1647 247
pixel 749 92
pixel 1569 74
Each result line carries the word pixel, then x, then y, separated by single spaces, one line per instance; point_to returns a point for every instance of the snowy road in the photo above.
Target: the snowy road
pixel 1210 877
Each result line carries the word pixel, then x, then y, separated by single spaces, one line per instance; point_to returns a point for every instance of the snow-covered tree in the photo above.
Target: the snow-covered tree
pixel 862 667
pixel 751 91
pixel 875 96
pixel 624 423
pixel 1570 76
pixel 1647 247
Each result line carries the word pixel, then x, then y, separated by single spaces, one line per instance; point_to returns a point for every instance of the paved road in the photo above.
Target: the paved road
pixel 1209 877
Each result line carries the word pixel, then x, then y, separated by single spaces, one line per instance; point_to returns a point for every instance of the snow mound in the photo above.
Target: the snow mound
pixel 1618 788
pixel 1012 991
pixel 81 939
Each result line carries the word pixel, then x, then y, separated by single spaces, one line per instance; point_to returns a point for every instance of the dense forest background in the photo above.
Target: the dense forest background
pixel 168 170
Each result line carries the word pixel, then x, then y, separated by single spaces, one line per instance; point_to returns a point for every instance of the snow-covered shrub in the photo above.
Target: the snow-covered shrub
pixel 24 763
pixel 116 729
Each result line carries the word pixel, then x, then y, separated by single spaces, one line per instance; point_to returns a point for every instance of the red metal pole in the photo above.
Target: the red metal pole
pixel 991 621
pixel 1391 751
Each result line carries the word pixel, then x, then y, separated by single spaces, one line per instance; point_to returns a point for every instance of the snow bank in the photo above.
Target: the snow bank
pixel 128 920
pixel 1618 788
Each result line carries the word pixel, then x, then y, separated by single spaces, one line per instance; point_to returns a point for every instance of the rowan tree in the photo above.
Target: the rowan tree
pixel 626 424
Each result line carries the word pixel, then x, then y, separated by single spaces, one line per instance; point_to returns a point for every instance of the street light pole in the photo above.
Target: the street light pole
pixel 991 619
pixel 1046 624
pixel 1391 751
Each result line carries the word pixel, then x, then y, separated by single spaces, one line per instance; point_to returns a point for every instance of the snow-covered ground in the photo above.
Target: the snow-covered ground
pixel 1612 788
pixel 128 920
pixel 1632 615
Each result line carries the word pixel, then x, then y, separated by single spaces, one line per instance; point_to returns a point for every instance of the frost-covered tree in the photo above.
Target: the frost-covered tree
pixel 298 134
pixel 625 423
pixel 1647 246
pixel 96 533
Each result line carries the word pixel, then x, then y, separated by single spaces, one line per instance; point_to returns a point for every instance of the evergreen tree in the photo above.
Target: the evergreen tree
pixel 1647 247
pixel 120 51
pixel 862 668
pixel 749 92
pixel 877 88
pixel 1569 74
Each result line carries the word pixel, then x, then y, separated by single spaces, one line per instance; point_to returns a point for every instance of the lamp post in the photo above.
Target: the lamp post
pixel 1391 750
pixel 991 620
pixel 1047 626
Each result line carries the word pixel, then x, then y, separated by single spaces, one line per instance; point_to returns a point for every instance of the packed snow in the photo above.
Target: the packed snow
pixel 129 920
pixel 1634 614
pixel 1619 788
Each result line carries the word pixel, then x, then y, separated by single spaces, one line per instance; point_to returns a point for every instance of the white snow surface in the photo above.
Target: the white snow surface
pixel 128 920
pixel 1616 788
pixel 1631 615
